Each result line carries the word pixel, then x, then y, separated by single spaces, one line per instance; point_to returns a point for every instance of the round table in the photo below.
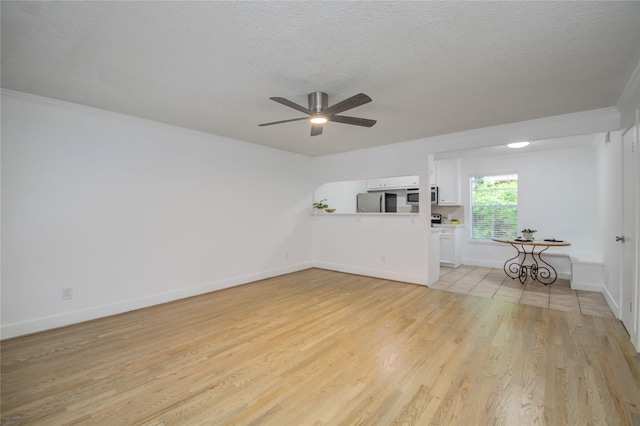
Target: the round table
pixel 528 262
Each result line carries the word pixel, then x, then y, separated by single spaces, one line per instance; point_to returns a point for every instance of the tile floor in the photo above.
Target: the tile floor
pixel 494 284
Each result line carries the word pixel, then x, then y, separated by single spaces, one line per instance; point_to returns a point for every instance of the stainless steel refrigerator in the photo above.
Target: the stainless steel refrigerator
pixel 376 202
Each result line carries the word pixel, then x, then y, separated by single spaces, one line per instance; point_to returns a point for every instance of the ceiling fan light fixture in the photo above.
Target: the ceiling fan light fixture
pixel 319 119
pixel 516 145
pixel 319 111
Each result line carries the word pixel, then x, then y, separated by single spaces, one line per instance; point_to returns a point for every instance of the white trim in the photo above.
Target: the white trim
pixel 586 287
pixel 370 272
pixel 613 304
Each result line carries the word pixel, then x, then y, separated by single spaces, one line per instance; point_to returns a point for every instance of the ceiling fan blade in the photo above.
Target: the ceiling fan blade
pixel 365 122
pixel 290 104
pixel 352 102
pixel 316 129
pixel 283 121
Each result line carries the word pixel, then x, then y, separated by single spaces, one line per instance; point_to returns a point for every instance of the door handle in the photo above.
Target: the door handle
pixel 621 239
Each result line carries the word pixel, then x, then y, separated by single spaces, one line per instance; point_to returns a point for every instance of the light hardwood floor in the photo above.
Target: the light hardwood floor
pixel 324 348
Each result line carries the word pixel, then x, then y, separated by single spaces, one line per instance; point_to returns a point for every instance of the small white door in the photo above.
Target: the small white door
pixel 629 284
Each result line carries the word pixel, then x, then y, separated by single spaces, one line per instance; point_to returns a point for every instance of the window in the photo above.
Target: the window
pixel 494 206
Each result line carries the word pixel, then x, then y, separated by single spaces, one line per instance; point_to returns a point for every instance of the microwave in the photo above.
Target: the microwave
pixel 434 195
pixel 413 196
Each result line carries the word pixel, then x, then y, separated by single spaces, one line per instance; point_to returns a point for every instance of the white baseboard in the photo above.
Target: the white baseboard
pixel 377 273
pixel 483 263
pixel 613 305
pixel 500 265
pixel 81 315
pixel 577 285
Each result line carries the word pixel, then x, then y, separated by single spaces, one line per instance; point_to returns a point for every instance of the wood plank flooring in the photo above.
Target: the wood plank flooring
pixel 324 348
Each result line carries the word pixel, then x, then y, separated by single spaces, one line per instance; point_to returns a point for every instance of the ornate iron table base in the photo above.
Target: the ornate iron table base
pixel 520 267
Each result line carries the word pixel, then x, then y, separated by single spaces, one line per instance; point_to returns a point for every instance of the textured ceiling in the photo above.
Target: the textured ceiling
pixel 431 68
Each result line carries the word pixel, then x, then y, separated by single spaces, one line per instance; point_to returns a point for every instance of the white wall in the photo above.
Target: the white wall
pixel 130 213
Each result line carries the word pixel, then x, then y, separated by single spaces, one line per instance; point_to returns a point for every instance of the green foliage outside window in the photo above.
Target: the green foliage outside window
pixel 494 206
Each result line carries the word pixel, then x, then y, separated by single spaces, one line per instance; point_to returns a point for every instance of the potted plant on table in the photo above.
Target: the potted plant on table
pixel 322 205
pixel 527 233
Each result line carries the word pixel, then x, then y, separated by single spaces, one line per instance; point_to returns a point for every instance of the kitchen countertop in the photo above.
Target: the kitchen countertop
pixel 447 225
pixel 365 214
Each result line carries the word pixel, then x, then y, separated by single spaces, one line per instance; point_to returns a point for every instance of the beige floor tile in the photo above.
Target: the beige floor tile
pixel 452 278
pixel 593 302
pixel 512 284
pixel 562 290
pixel 462 286
pixel 589 295
pixel 495 284
pixel 561 284
pixel 440 285
pixel 489 284
pixel 460 290
pixel 564 300
pixel 482 292
pixel 477 274
pixel 467 282
pixel 534 289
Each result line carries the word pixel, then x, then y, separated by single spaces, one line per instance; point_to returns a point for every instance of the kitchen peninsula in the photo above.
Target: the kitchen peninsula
pixel 391 245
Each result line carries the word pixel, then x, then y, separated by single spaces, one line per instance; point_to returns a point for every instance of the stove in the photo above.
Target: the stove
pixel 436 218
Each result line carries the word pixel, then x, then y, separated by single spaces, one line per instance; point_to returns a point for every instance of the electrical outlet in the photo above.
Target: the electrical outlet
pixel 67 293
pixel 383 258
pixel 287 256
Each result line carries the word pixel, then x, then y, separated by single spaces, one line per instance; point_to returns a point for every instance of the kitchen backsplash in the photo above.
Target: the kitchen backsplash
pixel 455 212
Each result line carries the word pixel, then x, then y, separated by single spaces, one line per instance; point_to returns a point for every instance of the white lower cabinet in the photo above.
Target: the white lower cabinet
pixel 451 246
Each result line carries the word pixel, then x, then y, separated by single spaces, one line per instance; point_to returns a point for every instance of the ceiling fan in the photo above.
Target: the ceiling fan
pixel 320 112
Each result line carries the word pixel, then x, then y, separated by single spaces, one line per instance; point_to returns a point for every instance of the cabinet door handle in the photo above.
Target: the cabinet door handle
pixel 620 239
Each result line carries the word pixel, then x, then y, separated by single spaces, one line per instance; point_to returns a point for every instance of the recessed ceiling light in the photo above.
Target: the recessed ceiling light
pixel 518 144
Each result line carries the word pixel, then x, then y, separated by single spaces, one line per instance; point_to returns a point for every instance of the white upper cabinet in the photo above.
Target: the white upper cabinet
pixel 448 180
pixel 383 183
pixel 409 181
pixel 394 182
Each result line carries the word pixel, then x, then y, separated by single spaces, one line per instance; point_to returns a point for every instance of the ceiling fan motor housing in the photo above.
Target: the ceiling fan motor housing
pixel 318 102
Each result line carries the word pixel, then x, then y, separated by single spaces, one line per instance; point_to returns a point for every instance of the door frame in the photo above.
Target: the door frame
pixel 634 332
